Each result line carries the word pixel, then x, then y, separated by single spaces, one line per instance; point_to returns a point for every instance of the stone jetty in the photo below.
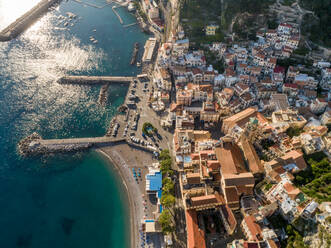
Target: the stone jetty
pixel 35 145
pixel 23 22
pixel 94 79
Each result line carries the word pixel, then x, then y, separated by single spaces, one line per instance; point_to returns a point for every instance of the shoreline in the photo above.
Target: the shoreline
pixel 134 211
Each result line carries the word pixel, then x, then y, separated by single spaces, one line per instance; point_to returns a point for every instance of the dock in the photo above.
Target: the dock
pixel 35 145
pixel 94 79
pixel 92 5
pixel 129 25
pixel 103 96
pixel 26 20
pixel 118 15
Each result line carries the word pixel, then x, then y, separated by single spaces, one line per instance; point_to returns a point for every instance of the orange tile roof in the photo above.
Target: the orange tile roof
pixel 230 158
pixel 195 236
pixel 230 218
pixel 254 163
pixel 193 178
pixel 213 164
pixel 292 191
pixel 231 195
pixel 253 227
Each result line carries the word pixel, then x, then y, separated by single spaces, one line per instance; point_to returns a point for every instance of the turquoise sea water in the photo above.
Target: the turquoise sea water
pixel 68 200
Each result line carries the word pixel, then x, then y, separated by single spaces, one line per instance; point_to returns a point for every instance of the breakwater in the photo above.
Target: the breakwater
pixel 93 79
pixel 118 15
pixel 34 144
pixel 103 96
pixel 23 22
pixel 134 53
pixel 92 5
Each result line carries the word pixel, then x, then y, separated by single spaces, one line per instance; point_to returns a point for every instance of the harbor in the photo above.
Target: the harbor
pixel 26 20
pixel 69 170
pixel 124 128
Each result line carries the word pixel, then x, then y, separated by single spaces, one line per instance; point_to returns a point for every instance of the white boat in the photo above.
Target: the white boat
pixel 95 41
pixel 138 64
pixel 131 7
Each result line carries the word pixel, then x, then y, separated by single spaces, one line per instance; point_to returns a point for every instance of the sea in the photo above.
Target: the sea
pixel 68 200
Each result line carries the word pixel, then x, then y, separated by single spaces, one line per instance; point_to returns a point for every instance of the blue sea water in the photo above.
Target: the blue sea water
pixel 72 200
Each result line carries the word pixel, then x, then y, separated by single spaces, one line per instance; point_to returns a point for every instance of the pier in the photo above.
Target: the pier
pixel 34 144
pixel 94 79
pixel 92 5
pixel 118 15
pixel 23 22
pixel 103 96
pixel 129 25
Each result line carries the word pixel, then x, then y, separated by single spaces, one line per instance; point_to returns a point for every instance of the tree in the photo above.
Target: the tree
pixel 165 154
pixel 168 185
pixel 165 221
pixel 165 165
pixel 294 131
pixel 168 200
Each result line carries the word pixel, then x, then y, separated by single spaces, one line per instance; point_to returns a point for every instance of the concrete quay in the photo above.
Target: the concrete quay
pixel 94 79
pixel 23 22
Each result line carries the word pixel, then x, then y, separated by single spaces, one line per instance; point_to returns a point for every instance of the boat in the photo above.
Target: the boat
pixel 138 64
pixel 66 24
pixel 131 7
pixel 135 53
pixel 95 41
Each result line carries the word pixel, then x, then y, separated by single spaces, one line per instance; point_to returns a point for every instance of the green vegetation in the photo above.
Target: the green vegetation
pixel 168 186
pixel 232 8
pixel 329 127
pixel 211 59
pixel 288 2
pixel 139 10
pixel 196 14
pixel 268 186
pixel 324 235
pixel 148 129
pixel 295 239
pixel 165 221
pixel 272 23
pixel 316 180
pixel 165 154
pixel 266 143
pixel 303 51
pixel 317 27
pixel 167 199
pixel 294 131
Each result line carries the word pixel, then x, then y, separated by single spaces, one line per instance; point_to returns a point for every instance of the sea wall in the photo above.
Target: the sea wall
pixel 23 22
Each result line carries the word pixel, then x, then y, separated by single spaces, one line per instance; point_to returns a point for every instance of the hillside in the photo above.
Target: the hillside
pixel 231 16
pixel 317 27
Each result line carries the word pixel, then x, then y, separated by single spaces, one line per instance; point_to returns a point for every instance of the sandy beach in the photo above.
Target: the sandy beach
pixel 124 158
